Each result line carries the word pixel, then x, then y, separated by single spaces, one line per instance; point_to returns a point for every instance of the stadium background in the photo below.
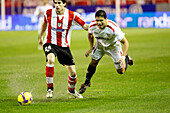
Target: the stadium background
pixel 141 13
pixel 144 88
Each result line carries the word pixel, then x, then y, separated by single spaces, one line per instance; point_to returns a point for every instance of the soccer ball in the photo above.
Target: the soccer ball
pixel 25 98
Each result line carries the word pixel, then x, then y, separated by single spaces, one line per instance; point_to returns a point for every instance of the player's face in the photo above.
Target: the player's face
pixel 59 6
pixel 101 22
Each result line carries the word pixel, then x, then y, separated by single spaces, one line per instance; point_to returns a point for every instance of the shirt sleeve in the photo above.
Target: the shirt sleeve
pixel 79 20
pixel 119 34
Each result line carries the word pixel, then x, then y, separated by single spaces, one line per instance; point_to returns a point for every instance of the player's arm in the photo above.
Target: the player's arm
pixel 37 11
pixel 125 50
pixel 91 42
pixel 81 21
pixel 43 28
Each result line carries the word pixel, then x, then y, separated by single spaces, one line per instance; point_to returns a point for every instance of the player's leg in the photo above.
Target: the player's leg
pixel 130 60
pixel 72 80
pixel 90 72
pixel 50 58
pixel 96 55
pixel 121 69
pixel 50 74
pixel 116 54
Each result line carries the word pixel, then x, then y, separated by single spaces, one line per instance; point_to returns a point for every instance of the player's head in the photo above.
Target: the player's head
pixel 101 13
pixel 59 5
pixel 64 1
pixel 101 19
pixel 45 2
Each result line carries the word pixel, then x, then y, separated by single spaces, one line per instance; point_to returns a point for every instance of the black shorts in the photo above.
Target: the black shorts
pixel 63 53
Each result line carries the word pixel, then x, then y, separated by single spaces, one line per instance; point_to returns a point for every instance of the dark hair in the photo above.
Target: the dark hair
pixel 101 13
pixel 64 1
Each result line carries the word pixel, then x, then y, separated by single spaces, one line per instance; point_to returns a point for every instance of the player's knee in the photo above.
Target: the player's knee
pixel 121 71
pixel 73 73
pixel 51 58
pixel 94 63
pixel 51 61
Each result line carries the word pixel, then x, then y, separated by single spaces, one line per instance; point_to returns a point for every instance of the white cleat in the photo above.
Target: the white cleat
pixel 49 93
pixel 76 95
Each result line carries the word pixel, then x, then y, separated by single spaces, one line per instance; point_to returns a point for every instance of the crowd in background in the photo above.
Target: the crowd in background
pixel 32 3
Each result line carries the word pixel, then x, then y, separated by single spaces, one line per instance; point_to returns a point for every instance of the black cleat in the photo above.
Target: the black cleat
pixel 83 88
pixel 130 61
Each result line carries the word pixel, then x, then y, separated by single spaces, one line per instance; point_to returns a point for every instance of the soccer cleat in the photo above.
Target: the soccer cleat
pixel 49 93
pixel 83 88
pixel 130 61
pixel 75 94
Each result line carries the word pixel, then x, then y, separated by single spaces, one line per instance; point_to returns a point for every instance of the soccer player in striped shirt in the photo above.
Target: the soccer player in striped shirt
pixel 58 24
pixel 108 41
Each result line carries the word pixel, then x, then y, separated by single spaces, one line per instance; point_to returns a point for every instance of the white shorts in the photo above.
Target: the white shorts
pixel 114 51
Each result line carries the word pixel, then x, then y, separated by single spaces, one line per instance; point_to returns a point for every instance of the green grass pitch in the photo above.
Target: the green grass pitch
pixel 144 88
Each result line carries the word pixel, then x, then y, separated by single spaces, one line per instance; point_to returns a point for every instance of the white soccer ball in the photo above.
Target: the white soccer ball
pixel 25 98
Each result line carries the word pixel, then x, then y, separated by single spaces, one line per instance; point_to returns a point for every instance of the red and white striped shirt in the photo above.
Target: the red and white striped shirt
pixel 111 34
pixel 59 27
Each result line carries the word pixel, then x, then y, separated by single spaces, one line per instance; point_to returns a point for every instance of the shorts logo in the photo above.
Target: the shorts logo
pixel 47 49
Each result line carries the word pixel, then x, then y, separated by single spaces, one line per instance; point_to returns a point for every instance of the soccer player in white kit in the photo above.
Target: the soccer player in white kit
pixel 59 23
pixel 108 41
pixel 39 11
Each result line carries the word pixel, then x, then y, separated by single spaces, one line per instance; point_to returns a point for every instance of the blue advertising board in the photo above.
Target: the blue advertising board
pixel 144 20
pixel 140 20
pixel 20 23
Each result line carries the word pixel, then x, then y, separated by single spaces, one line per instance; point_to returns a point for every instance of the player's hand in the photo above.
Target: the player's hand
pixel 41 40
pixel 86 27
pixel 122 62
pixel 88 52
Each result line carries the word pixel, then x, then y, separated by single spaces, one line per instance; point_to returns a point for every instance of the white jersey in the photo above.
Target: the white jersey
pixel 39 11
pixel 59 27
pixel 108 36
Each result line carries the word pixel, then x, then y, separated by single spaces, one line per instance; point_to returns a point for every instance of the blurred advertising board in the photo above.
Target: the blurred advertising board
pixel 140 20
pixel 88 9
pixel 112 9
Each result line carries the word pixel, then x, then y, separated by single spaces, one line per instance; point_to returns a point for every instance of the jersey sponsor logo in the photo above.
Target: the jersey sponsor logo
pixel 57 30
pixel 109 38
pixel 95 32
